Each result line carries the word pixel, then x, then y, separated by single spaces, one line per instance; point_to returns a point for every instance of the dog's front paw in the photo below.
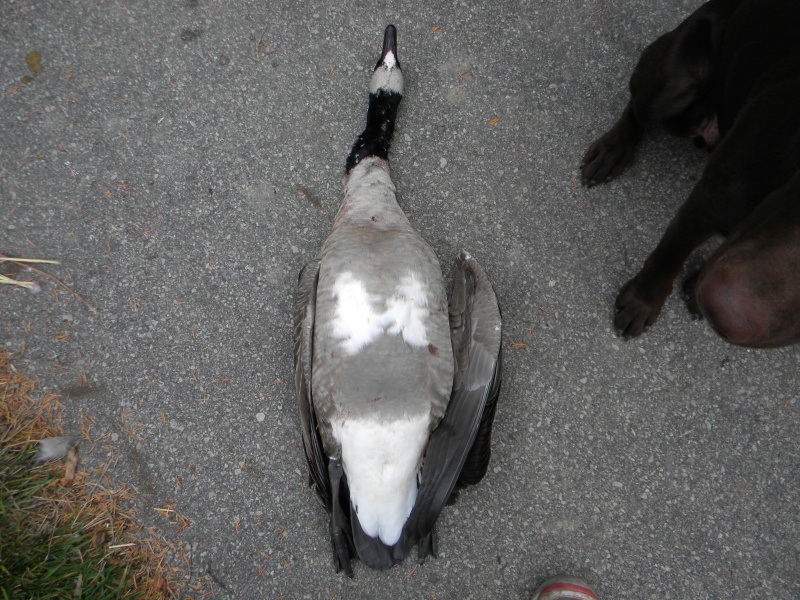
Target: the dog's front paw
pixel 638 305
pixel 611 154
pixel 607 157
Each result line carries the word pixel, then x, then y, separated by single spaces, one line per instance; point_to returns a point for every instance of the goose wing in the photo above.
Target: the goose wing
pixel 304 314
pixel 459 448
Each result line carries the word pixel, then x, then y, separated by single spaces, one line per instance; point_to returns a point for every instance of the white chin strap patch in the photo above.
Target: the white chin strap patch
pixel 387 76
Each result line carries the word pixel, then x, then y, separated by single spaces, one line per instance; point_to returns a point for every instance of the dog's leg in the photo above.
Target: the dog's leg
pixel 640 300
pixel 749 291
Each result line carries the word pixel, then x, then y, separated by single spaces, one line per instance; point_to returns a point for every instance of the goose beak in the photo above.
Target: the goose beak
pixel 388 57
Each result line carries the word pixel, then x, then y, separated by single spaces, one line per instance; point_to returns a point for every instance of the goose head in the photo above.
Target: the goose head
pixel 387 76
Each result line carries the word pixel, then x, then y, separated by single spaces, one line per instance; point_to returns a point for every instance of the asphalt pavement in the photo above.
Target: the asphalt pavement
pixel 183 160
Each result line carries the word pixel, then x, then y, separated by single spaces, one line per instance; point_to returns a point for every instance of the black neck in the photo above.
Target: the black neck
pixel 376 138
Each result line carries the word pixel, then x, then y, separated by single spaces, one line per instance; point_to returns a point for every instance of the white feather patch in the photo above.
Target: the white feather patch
pixel 357 322
pixel 382 461
pixel 53 448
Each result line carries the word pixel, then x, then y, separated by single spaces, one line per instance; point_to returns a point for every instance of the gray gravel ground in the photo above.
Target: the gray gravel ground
pixel 184 160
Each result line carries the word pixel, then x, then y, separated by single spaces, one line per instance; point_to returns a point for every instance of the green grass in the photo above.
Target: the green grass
pixel 46 552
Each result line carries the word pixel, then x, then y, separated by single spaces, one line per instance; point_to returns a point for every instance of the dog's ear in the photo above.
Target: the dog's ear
pixel 696 48
pixel 674 73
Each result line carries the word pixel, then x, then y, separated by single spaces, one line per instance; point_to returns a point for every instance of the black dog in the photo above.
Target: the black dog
pixel 729 76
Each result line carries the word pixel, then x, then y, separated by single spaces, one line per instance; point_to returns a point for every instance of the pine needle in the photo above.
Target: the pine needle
pixel 34 286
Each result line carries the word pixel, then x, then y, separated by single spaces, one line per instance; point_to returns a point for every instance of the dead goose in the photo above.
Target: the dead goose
pixel 396 397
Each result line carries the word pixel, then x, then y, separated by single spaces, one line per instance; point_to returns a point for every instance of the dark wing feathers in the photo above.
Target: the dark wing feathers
pixel 475 327
pixel 341 537
pixel 477 461
pixel 304 309
pixel 486 356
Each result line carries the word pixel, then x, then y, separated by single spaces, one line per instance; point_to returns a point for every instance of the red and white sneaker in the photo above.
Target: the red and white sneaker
pixel 564 588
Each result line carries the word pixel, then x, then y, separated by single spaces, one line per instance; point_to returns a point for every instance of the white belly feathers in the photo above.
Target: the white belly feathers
pixel 382 461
